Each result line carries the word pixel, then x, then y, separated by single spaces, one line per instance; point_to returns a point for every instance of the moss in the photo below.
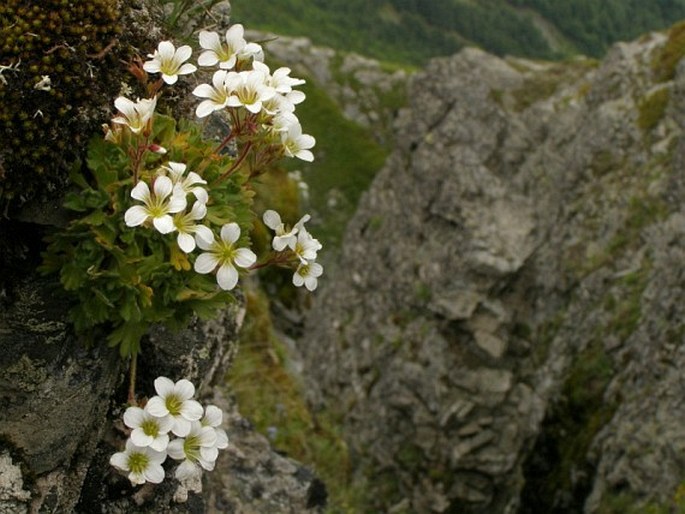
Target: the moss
pixel 652 108
pixel 558 473
pixel 624 502
pixel 544 84
pixel 272 399
pixel 667 57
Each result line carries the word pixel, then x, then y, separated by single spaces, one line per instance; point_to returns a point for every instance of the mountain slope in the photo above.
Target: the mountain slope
pixel 411 31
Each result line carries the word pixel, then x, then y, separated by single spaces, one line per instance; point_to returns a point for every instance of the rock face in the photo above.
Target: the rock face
pixel 504 332
pixel 60 402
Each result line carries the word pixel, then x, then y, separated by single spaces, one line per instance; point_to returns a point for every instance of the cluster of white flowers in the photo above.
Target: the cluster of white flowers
pixel 176 201
pixel 197 429
pixel 300 242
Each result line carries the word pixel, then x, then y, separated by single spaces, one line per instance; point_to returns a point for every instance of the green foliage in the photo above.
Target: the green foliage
pixel 273 400
pixel 592 25
pixel 652 109
pixel 71 42
pixel 411 31
pixel 668 56
pixel 124 278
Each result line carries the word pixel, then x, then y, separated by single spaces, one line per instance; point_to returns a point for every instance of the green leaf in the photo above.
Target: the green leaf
pixel 127 337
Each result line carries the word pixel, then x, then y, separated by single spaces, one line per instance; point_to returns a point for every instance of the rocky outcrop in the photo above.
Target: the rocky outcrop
pixel 61 401
pixel 504 331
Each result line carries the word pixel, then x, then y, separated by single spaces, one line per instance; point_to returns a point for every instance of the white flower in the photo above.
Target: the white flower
pixel 216 52
pixel 307 274
pixel 197 447
pixel 188 183
pixel 186 226
pixel 136 116
pixel 224 255
pixel 280 79
pixel 306 246
pixel 158 207
pixel 251 51
pixel 283 121
pixel 248 89
pixel 141 464
pixel 169 61
pixel 283 237
pixel 217 95
pixel 175 401
pixel 213 418
pixel 297 144
pixel 148 430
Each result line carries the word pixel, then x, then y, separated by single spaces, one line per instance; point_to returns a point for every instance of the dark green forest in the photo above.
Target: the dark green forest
pixel 411 31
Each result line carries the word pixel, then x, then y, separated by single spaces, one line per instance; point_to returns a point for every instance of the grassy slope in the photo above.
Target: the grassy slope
pixel 411 31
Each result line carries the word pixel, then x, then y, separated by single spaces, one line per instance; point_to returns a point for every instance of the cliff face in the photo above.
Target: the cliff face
pixel 60 402
pixel 504 332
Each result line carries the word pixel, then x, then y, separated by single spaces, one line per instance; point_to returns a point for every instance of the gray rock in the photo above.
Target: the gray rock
pixel 509 338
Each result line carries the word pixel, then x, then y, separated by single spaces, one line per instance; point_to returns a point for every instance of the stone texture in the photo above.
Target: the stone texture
pixel 503 330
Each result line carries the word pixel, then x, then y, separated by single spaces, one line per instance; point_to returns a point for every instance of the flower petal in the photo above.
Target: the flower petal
pixel 184 389
pixel 208 58
pixel 187 470
pixel 186 242
pixel 187 68
pixel 191 410
pixel 166 50
pixel 154 473
pixel 136 215
pixel 244 257
pixel 175 449
pixel 181 426
pixel 205 262
pixel 230 232
pixel 163 187
pixel 205 108
pixel 139 438
pixel 183 53
pixel 164 387
pixel 141 192
pixel 227 277
pixel 160 443
pixel 134 417
pixel 120 461
pixel 209 40
pixel 272 219
pixel 213 416
pixel 221 438
pixel 157 407
pixel 164 224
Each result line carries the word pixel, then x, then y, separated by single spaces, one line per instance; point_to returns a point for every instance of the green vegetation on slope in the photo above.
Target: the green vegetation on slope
pixel 594 24
pixel 411 31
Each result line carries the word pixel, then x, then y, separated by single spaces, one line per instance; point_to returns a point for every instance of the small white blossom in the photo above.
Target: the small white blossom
pixel 251 51
pixel 135 115
pixel 148 430
pixel 248 89
pixel 197 447
pixel 188 183
pixel 175 401
pixel 187 228
pixel 297 144
pixel 224 255
pixel 217 52
pixel 157 207
pixel 307 274
pixel 170 62
pixel 213 418
pixel 306 247
pixel 216 95
pixel 283 237
pixel 143 464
